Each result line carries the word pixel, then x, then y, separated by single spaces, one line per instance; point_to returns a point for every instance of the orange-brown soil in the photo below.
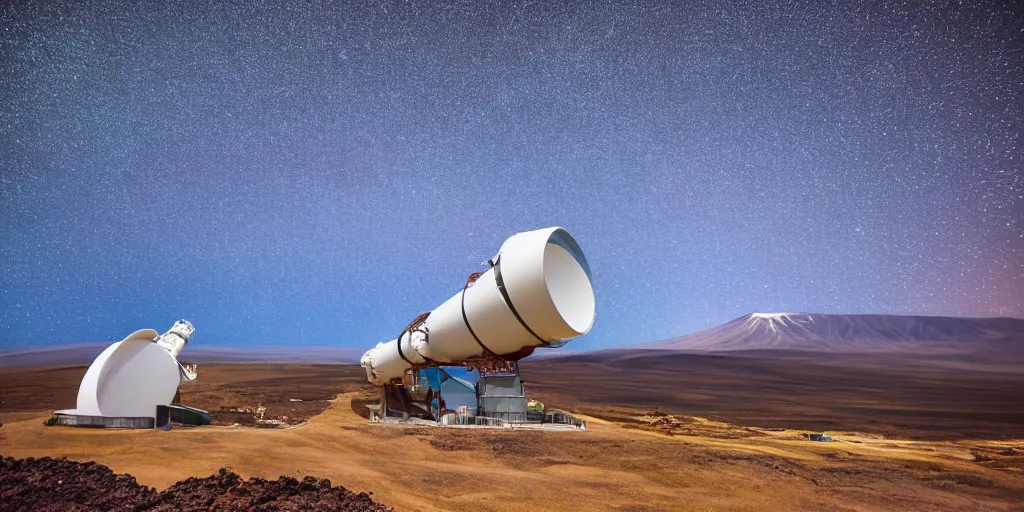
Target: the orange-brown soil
pixel 642 451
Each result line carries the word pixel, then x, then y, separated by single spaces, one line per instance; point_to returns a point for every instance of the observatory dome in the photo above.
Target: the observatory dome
pixel 130 378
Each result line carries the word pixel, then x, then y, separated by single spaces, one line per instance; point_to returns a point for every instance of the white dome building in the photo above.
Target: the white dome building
pixel 131 380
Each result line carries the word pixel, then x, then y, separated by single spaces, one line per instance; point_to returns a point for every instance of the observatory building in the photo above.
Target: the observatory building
pixel 459 362
pixel 133 382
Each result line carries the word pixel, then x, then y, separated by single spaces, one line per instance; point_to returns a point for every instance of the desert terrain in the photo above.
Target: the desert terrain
pixel 667 431
pixel 922 397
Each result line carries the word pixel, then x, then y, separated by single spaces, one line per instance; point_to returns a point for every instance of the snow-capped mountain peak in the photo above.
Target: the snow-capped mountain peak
pixel 775 321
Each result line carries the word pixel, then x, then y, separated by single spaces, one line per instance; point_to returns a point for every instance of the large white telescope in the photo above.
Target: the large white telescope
pixel 538 292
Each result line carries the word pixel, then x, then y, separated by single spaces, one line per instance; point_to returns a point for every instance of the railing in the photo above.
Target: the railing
pixel 71 420
pixel 511 419
pixel 487 421
pixel 505 417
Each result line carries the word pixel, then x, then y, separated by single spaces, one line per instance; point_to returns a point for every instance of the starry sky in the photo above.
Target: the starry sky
pixel 319 173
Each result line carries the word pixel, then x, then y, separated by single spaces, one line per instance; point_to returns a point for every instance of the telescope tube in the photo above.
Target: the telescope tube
pixel 538 292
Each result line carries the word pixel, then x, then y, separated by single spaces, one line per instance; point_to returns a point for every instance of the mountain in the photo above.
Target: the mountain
pixel 84 353
pixel 853 333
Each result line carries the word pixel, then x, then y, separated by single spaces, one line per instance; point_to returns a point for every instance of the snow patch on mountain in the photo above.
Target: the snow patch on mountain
pixel 775 321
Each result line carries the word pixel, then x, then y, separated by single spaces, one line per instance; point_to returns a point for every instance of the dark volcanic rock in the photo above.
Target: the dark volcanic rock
pixel 59 484
pixel 227 491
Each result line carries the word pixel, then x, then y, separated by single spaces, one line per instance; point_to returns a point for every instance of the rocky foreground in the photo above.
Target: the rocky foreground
pixel 47 484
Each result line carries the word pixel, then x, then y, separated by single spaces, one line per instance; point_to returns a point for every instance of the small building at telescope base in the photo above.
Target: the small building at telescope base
pixel 502 397
pixel 447 395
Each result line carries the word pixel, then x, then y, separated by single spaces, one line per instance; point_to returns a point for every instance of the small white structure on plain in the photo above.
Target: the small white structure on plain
pixel 537 292
pixel 128 380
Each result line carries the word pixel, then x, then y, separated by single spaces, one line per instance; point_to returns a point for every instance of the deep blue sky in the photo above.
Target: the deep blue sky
pixel 319 173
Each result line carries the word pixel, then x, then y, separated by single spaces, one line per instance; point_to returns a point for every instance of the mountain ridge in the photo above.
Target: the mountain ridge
pixel 86 352
pixel 850 333
pixel 815 332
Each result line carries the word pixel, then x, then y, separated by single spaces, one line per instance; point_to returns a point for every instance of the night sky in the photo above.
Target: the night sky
pixel 320 173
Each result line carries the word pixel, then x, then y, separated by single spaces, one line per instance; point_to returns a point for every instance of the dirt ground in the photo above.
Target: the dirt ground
pixel 640 456
pixel 915 396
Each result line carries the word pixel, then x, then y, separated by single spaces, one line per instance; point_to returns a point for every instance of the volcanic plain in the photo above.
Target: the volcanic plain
pixel 667 430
